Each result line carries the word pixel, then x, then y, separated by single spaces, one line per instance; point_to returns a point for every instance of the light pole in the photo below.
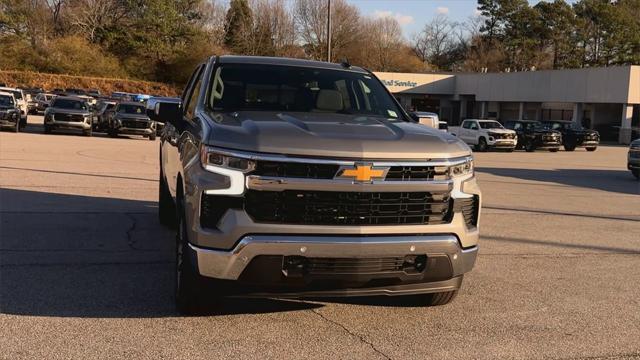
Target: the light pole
pixel 329 30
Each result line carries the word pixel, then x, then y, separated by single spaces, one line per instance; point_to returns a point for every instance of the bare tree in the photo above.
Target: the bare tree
pixel 383 40
pixel 91 16
pixel 435 40
pixel 311 20
pixel 212 18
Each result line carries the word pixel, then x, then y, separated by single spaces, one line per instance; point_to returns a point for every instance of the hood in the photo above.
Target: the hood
pixel 585 132
pixel 500 131
pixel 68 111
pixel 132 117
pixel 331 135
pixel 546 132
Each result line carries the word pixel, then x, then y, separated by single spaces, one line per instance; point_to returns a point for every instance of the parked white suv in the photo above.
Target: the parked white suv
pixel 485 134
pixel 21 103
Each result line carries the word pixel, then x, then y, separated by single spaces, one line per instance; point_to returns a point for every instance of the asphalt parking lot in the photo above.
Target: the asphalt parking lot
pixel 86 270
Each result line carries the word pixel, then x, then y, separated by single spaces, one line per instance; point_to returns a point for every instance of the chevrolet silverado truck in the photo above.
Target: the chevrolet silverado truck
pixel 9 112
pixel 574 135
pixel 296 178
pixel 532 135
pixel 633 158
pixel 485 135
pixel 69 113
pixel 130 118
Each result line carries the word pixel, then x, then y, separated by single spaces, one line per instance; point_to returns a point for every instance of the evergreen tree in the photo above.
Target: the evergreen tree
pixel 239 27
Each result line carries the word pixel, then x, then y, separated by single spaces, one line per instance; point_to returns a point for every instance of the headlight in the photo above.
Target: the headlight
pixel 209 157
pixel 232 167
pixel 463 169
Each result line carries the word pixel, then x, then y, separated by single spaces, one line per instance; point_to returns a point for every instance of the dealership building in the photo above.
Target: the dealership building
pixel 604 99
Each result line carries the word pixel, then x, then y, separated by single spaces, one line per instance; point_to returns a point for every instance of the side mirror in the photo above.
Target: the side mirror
pixel 164 110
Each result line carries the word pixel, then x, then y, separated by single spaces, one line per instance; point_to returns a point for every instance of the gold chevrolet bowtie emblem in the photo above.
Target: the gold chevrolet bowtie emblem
pixel 363 173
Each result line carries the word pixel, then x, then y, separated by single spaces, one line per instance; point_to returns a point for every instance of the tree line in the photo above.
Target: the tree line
pixel 162 40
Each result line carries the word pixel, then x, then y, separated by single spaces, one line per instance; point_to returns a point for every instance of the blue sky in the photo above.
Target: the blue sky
pixel 413 14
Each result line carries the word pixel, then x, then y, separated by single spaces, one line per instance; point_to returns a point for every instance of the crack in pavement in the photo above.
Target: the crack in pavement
pixel 360 337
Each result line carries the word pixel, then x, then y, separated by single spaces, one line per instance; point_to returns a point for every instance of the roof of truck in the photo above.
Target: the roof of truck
pixel 266 60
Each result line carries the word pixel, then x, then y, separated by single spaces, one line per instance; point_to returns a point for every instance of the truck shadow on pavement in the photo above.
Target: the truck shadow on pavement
pixel 619 181
pixel 78 256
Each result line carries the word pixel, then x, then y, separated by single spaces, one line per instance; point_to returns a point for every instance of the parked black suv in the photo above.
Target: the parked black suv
pixel 9 112
pixel 534 135
pixel 574 135
pixel 130 118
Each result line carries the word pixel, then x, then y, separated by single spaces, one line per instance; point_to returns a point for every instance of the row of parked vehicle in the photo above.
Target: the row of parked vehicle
pixel 78 110
pixel 529 135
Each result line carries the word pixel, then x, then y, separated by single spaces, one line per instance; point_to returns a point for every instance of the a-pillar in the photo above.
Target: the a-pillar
pixel 625 126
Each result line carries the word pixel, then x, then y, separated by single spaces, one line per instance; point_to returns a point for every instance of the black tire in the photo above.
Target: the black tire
pixel 17 127
pixel 591 148
pixel 554 150
pixel 511 149
pixel 112 133
pixel 530 147
pixel 152 137
pixel 569 147
pixel 482 145
pixel 166 206
pixel 87 133
pixel 47 129
pixel 192 297
pixel 434 299
pixel 636 173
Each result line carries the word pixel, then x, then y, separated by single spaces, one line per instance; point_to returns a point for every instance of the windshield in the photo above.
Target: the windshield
pixel 534 126
pixel 131 109
pixel 490 125
pixel 238 87
pixel 69 104
pixel 6 101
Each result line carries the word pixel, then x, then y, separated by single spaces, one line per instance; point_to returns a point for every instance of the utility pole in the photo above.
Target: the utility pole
pixel 329 30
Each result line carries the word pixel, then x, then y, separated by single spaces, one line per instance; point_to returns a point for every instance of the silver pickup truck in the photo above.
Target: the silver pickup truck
pixel 294 178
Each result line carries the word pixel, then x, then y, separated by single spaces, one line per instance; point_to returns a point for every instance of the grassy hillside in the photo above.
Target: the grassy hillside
pixel 105 85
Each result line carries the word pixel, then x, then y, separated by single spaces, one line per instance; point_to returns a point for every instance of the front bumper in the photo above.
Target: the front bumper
pixel 549 145
pixel 256 265
pixel 68 125
pixel 590 143
pixel 8 123
pixel 136 131
pixel 502 143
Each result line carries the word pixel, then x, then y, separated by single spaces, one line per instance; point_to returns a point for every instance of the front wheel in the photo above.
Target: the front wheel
pixel 112 133
pixel 569 147
pixel 190 286
pixel 482 145
pixel 88 133
pixel 47 129
pixel 152 137
pixel 17 127
pixel 530 147
pixel 636 173
pixel 554 150
pixel 591 148
pixel 166 206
